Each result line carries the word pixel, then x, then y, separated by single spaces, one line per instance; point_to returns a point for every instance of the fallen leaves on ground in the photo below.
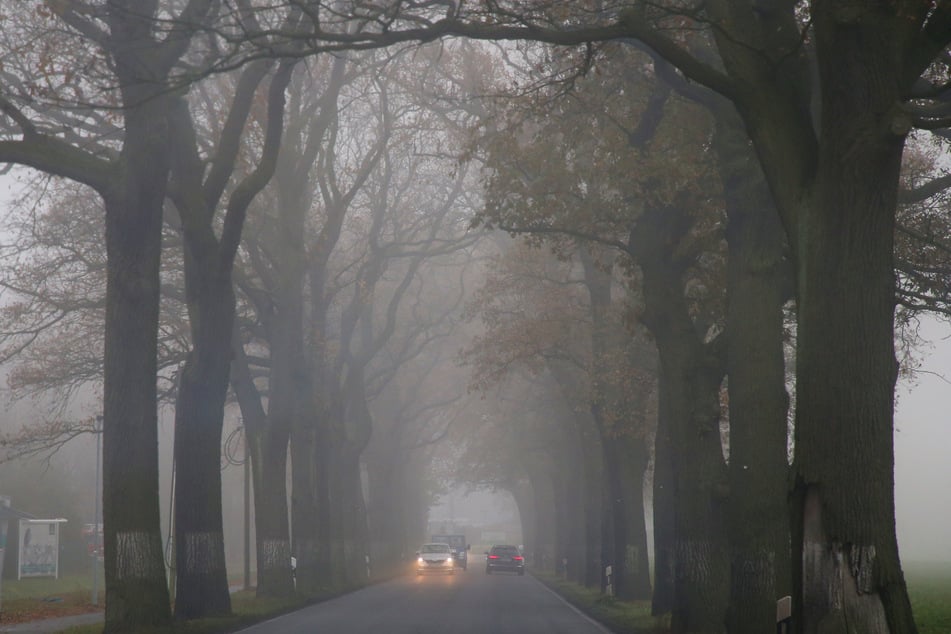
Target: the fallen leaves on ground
pixel 26 610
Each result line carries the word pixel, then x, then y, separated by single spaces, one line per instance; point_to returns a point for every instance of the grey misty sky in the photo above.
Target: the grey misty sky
pixel 922 444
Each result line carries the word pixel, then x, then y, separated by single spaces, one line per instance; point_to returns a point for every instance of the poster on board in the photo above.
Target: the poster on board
pixel 39 548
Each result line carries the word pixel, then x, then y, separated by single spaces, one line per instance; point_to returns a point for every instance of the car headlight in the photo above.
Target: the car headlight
pixel 420 561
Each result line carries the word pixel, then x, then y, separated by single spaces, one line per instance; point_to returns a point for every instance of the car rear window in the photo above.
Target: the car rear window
pixel 504 550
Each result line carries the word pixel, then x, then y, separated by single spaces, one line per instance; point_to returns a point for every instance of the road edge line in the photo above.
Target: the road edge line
pixel 571 605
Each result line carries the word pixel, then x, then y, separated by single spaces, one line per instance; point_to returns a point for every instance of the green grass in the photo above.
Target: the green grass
pixel 246 609
pixel 45 597
pixel 39 587
pixel 929 586
pixel 619 616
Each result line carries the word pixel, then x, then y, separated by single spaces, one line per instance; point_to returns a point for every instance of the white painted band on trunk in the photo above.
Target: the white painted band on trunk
pixel 139 555
pixel 204 552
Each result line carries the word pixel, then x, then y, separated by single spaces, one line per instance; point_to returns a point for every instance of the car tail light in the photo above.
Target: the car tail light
pixel 517 558
pixel 493 556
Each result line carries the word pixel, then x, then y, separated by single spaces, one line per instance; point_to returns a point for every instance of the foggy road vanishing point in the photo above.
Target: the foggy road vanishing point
pixel 468 602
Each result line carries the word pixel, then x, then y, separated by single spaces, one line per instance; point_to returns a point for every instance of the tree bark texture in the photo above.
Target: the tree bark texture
pixel 267 450
pixel 543 540
pixel 136 590
pixel 389 497
pixel 306 529
pixel 201 577
pixel 758 277
pixel 637 579
pixel 584 537
pixel 289 381
pixel 350 520
pixel 689 380
pixel 612 409
pixel 846 368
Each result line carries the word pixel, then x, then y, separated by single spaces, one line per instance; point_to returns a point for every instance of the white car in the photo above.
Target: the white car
pixel 434 558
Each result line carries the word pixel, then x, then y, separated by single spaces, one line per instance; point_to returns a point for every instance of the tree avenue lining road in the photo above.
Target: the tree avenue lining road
pixel 465 603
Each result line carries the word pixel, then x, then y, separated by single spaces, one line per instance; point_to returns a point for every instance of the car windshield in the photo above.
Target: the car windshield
pixel 435 548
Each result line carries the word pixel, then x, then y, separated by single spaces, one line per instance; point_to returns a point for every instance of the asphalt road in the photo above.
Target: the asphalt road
pixel 469 602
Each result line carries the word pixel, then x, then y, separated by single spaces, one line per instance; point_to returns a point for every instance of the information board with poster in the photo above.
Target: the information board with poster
pixel 38 553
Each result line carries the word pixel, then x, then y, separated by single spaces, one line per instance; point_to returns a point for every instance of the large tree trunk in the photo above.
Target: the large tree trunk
pixel 593 502
pixel 604 396
pixel 613 518
pixel 846 369
pixel 584 533
pixel 387 502
pixel 305 527
pixel 562 491
pixel 576 510
pixel 136 589
pixel 758 279
pixel 350 519
pixel 663 501
pixel 201 578
pixel 289 382
pixel 637 581
pixel 542 539
pixel 690 375
pixel 614 408
pixel 267 449
pixel 701 562
pixel 272 530
pixel 836 192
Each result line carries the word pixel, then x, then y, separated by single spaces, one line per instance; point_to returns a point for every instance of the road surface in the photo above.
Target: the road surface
pixel 469 602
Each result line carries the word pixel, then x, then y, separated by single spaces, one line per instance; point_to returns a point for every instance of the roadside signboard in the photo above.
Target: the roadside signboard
pixel 38 553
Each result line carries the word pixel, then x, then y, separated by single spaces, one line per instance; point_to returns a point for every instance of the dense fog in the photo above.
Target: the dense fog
pixel 645 298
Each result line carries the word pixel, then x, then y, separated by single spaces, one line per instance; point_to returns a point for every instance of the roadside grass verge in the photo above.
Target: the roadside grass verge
pixel 929 587
pixel 618 616
pixel 45 598
pixel 247 610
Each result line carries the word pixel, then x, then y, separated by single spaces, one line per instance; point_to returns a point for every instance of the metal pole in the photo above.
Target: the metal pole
pixel 96 521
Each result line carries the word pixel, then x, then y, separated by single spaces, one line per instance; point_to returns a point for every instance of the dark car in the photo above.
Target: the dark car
pixel 504 557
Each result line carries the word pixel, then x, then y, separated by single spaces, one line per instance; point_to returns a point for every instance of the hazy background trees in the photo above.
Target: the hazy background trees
pixel 690 203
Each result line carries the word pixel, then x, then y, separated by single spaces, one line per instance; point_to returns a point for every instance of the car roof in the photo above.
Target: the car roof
pixel 436 544
pixel 505 546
